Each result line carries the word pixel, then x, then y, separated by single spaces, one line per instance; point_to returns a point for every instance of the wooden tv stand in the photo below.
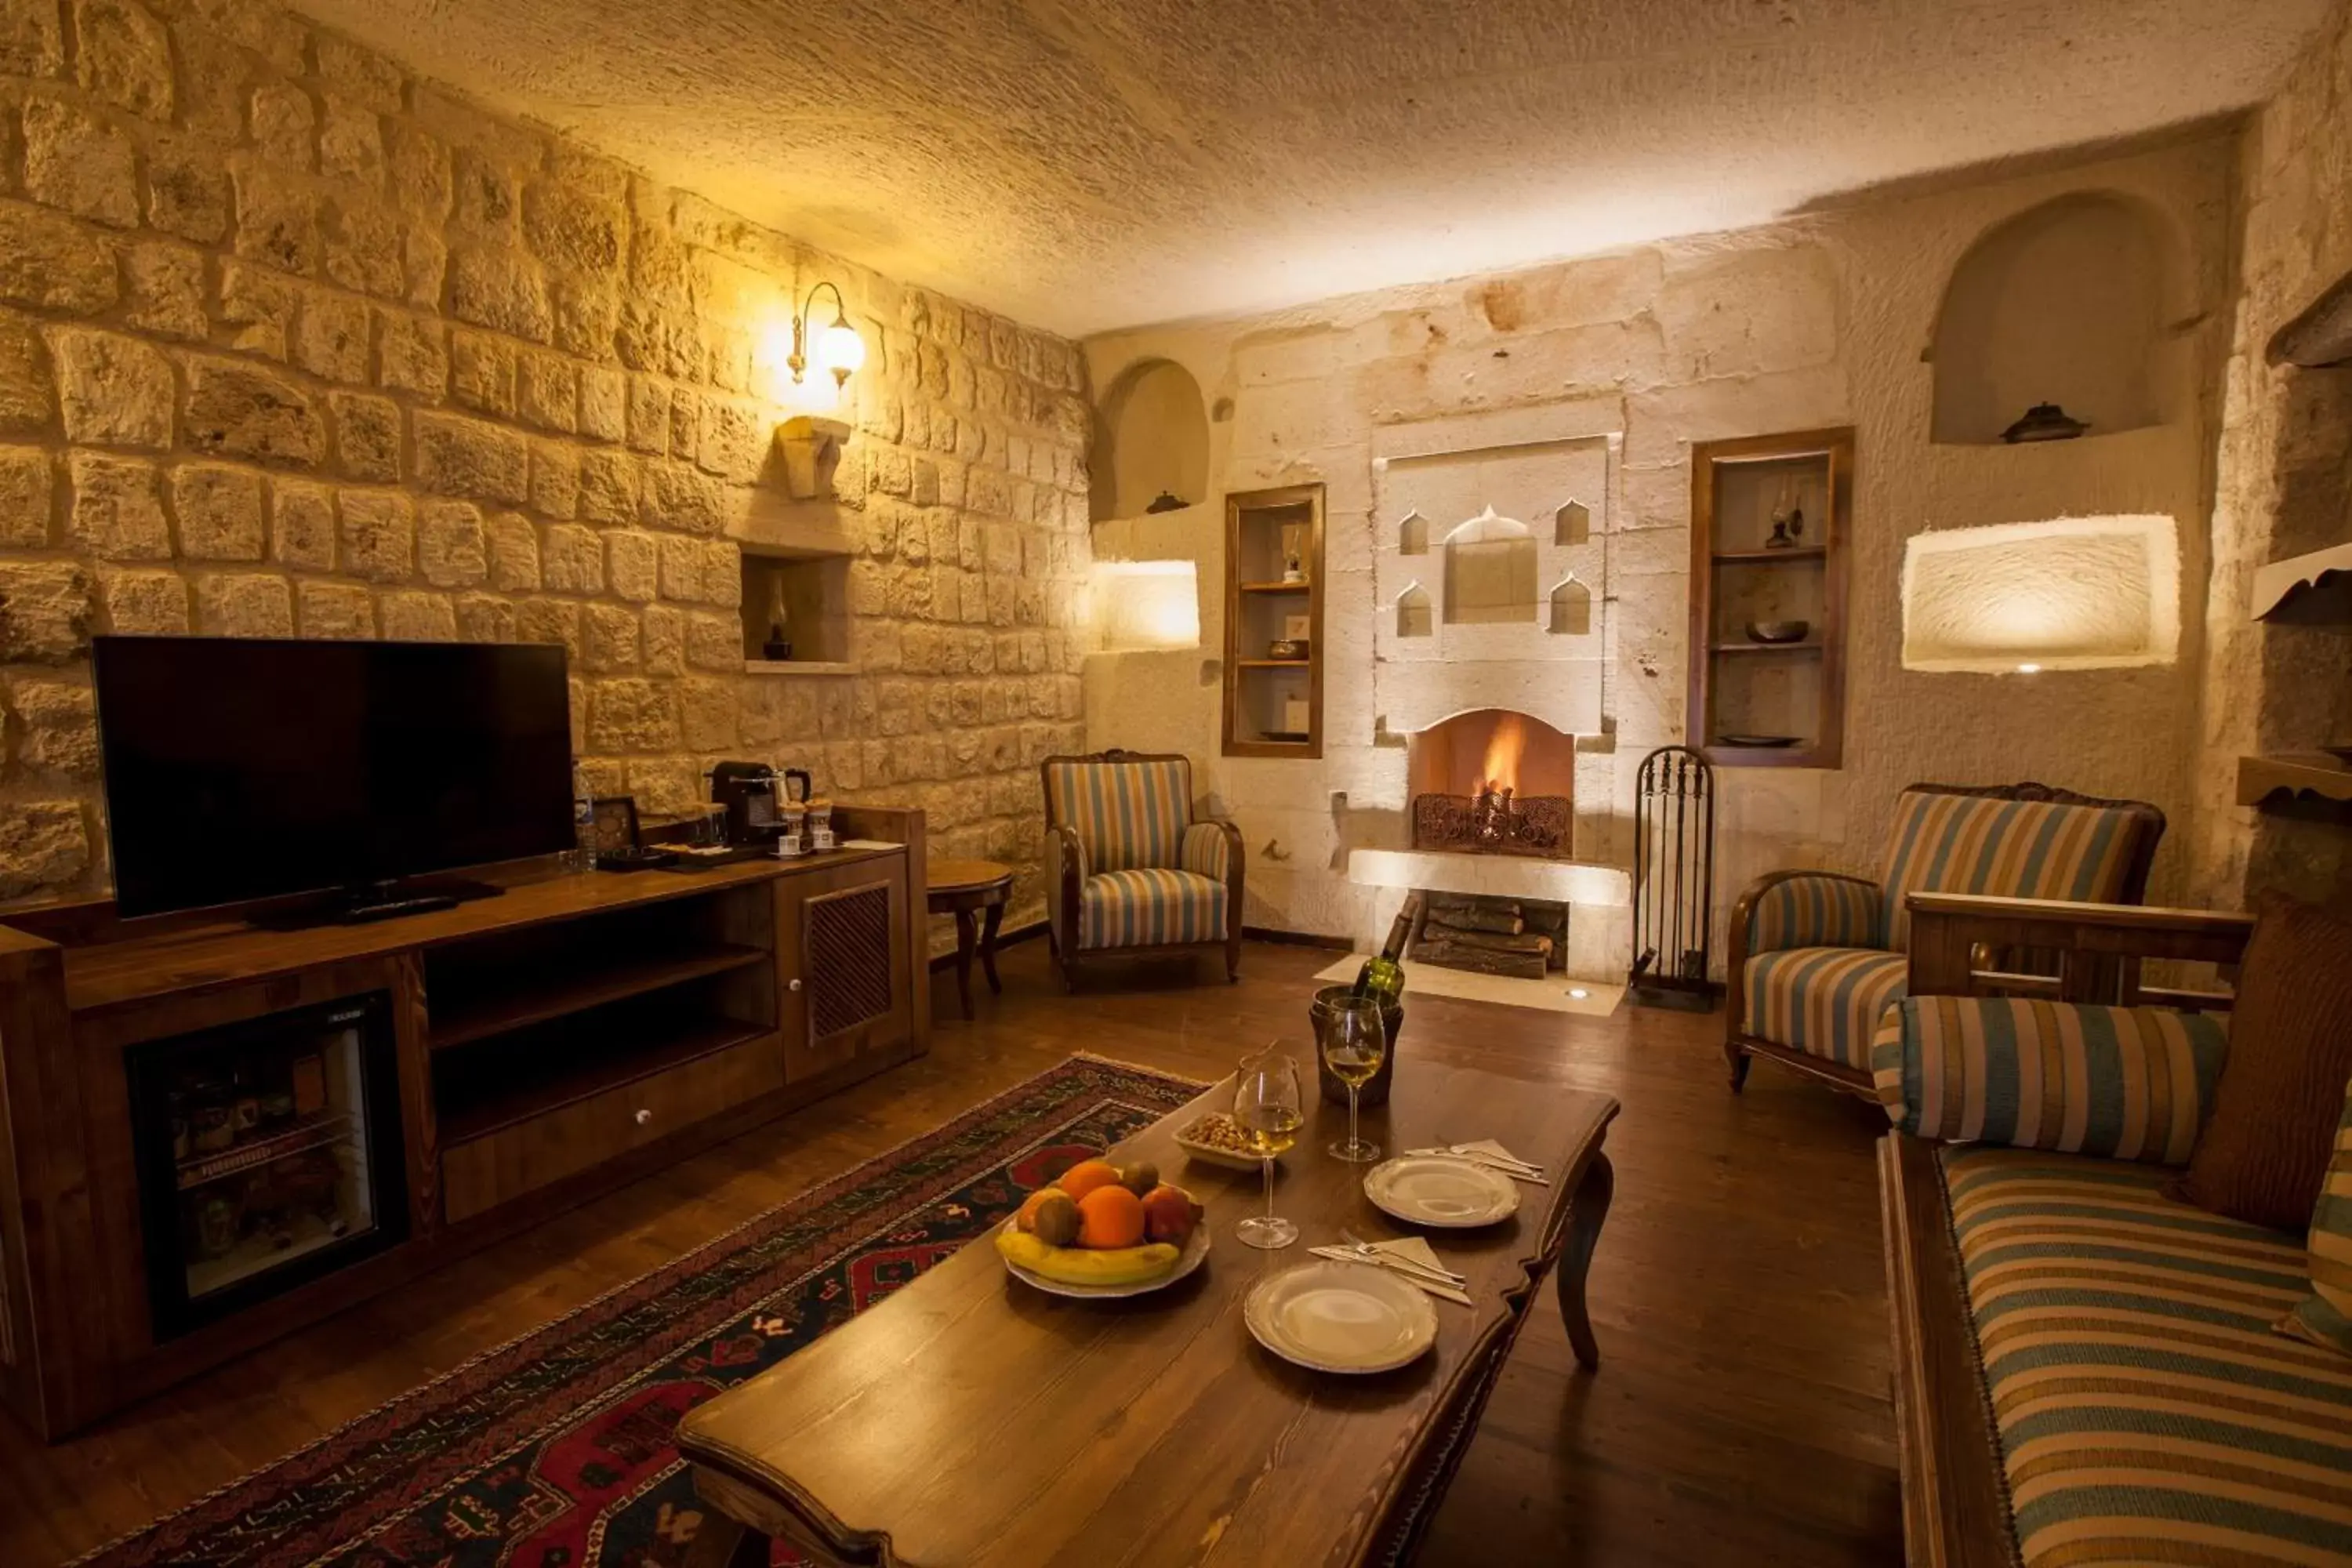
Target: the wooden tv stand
pixel 554 1042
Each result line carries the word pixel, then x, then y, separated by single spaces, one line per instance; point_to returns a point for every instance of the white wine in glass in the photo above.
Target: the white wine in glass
pixel 1269 1109
pixel 1354 1042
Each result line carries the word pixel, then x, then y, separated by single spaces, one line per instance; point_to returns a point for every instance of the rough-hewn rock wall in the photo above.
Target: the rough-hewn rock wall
pixel 1823 321
pixel 2283 487
pixel 293 344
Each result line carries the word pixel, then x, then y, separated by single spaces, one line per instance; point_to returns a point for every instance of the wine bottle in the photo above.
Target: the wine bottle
pixel 1383 975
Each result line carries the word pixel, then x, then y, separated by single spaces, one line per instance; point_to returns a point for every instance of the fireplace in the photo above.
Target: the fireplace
pixel 1491 782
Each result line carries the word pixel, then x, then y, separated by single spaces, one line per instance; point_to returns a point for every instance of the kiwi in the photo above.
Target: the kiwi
pixel 1140 1179
pixel 1056 1222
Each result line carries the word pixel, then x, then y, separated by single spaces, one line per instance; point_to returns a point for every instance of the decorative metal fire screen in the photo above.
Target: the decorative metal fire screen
pixel 1493 822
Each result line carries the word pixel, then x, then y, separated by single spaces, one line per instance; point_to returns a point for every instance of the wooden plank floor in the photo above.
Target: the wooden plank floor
pixel 1740 1415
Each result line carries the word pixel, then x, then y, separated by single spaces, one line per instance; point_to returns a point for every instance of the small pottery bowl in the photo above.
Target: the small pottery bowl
pixel 1777 631
pixel 1287 648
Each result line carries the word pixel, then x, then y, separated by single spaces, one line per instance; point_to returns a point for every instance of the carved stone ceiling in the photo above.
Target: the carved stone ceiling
pixel 1086 164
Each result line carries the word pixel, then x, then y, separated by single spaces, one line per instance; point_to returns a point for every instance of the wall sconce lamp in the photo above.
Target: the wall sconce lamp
pixel 839 349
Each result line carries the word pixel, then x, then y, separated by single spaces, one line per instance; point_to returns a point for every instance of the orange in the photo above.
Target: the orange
pixel 1027 1218
pixel 1110 1216
pixel 1086 1176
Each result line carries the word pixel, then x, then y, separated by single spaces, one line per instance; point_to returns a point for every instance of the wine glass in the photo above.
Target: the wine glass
pixel 1354 1043
pixel 1269 1109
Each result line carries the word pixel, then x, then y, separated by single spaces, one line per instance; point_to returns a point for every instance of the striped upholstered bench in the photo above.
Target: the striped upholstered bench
pixel 1130 869
pixel 1816 957
pixel 2090 1372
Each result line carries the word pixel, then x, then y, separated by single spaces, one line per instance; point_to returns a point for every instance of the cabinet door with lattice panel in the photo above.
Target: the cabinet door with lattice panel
pixel 843 936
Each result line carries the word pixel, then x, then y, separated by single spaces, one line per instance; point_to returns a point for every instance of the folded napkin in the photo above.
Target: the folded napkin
pixel 1471 1149
pixel 1409 1249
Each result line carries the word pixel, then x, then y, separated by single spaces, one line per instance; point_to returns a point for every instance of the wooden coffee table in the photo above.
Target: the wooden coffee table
pixel 969 1419
pixel 959 887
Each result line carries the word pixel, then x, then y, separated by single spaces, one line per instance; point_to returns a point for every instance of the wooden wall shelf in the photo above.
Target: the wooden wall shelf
pixel 1740 687
pixel 1262 694
pixel 533 1049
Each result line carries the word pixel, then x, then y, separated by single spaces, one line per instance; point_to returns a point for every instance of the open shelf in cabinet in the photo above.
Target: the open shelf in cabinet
pixel 535 999
pixel 1273 707
pixel 480 1089
pixel 1745 493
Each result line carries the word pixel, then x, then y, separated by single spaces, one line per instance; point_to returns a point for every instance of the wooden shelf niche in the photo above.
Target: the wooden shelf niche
pixel 1273 707
pixel 1741 687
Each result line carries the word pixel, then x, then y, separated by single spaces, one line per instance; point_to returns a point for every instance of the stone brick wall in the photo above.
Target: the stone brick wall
pixel 2283 486
pixel 295 344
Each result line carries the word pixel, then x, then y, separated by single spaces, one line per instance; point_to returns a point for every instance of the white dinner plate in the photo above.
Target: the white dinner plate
pixel 1340 1317
pixel 1195 1253
pixel 1428 1189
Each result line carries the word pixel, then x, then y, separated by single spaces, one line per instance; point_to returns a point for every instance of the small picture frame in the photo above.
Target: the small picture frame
pixel 616 820
pixel 1295 628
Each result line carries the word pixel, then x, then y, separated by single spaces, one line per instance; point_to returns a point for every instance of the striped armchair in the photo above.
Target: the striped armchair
pixel 1816 957
pixel 1129 868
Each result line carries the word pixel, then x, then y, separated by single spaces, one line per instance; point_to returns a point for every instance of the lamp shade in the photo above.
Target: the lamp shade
pixel 839 349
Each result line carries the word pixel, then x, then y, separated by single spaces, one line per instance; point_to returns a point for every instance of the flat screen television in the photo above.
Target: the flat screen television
pixel 242 769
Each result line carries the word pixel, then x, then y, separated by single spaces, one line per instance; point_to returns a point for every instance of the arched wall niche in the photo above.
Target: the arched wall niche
pixel 1151 438
pixel 2068 303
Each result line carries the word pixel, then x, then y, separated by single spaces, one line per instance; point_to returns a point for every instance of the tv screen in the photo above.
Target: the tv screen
pixel 240 769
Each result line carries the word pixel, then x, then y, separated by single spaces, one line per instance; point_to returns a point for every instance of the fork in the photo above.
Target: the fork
pixel 1509 1166
pixel 1370 1254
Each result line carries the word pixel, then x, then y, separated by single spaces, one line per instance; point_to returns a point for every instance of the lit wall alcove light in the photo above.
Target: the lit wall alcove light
pixel 2067 303
pixel 1152 440
pixel 2074 593
pixel 1146 605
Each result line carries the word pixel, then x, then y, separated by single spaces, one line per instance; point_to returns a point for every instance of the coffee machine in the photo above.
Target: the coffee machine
pixel 752 792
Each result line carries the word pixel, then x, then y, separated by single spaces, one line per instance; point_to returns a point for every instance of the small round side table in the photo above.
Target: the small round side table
pixel 961 888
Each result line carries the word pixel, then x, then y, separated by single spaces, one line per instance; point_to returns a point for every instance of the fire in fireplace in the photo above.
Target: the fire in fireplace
pixel 1492 783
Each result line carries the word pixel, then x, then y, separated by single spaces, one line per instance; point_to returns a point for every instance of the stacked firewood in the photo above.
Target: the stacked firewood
pixel 1521 938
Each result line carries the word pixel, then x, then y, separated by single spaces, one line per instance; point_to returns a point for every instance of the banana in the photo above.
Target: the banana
pixel 1078 1265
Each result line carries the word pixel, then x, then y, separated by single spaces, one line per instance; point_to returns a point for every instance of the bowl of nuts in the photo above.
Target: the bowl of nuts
pixel 1218 1139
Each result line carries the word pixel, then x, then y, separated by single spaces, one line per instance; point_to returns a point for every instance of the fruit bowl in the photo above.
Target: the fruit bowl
pixel 1100 1229
pixel 1194 1252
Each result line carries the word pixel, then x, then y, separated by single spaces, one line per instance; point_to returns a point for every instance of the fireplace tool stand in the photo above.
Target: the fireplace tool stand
pixel 1674 881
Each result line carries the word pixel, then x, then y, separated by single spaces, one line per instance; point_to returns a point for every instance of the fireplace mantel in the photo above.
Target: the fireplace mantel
pixel 1577 882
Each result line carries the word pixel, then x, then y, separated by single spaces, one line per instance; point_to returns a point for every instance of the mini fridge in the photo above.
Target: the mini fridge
pixel 269 1154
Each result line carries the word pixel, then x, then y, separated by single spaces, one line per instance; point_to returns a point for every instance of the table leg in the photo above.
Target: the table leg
pixel 1586 1211
pixel 964 938
pixel 721 1542
pixel 989 922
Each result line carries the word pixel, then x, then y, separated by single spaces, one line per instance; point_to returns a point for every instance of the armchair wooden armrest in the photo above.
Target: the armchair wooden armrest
pixel 1233 869
pixel 1065 876
pixel 2101 946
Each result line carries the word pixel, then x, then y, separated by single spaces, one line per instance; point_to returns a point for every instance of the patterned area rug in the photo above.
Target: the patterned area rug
pixel 553 1451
